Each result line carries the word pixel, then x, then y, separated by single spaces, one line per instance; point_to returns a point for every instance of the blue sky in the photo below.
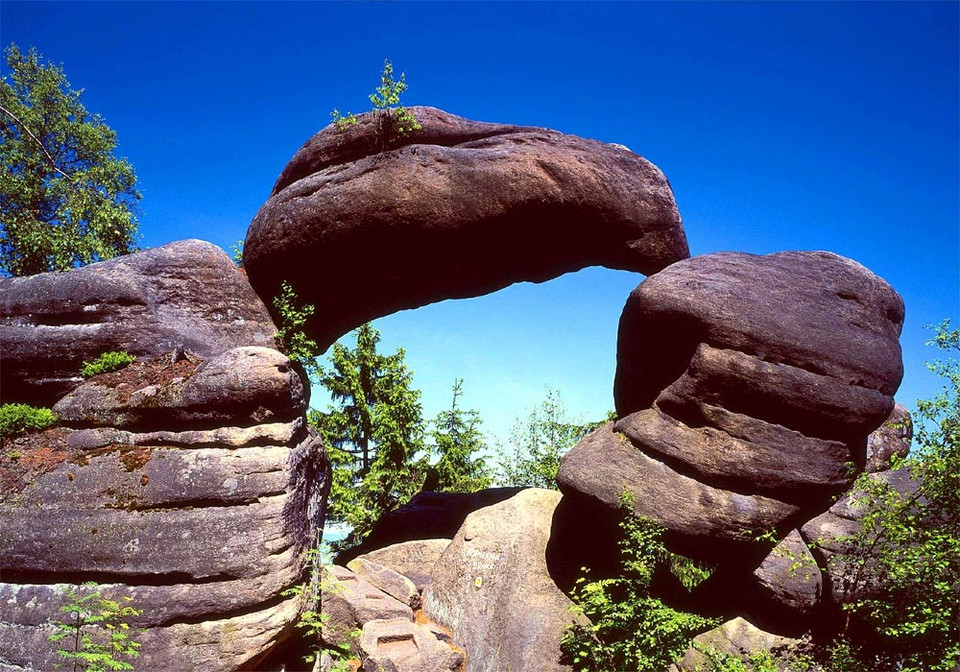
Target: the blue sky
pixel 780 126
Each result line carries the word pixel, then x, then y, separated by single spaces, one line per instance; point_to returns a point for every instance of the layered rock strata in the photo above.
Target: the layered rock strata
pixel 746 388
pixel 203 529
pixel 186 295
pixel 458 208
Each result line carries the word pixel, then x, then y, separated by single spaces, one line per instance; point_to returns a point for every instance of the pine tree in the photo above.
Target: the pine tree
pixel 373 431
pixel 457 442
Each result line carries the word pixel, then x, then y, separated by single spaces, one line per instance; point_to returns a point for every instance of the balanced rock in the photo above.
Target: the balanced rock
pixel 458 208
pixel 187 294
pixel 204 537
pixel 493 590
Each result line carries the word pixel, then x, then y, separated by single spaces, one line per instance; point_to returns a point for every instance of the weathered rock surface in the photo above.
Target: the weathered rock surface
pixel 239 388
pixel 204 537
pixel 187 294
pixel 703 519
pixel 429 515
pixel 891 439
pixel 832 536
pixel 737 637
pixel 397 645
pixel 393 583
pixel 459 208
pixel 789 576
pixel 349 602
pixel 414 559
pixel 493 590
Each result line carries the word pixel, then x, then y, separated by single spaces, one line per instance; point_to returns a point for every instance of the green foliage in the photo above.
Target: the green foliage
pixel 236 251
pixel 373 431
pixel 313 621
pixel 537 443
pixel 18 419
pixel 293 316
pixel 105 363
pixel 630 630
pixel 457 442
pixel 65 199
pixel 96 635
pixel 910 544
pixel 760 661
pixel 392 119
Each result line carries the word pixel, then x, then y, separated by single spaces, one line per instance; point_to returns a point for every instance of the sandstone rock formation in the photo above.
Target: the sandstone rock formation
pixel 397 645
pixel 414 559
pixel 748 383
pixel 892 439
pixel 789 576
pixel 493 590
pixel 459 208
pixel 186 294
pixel 203 529
pixel 737 637
pixel 391 582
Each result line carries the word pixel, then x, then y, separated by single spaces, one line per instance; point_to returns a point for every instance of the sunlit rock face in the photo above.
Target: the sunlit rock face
pixel 187 294
pixel 746 388
pixel 202 520
pixel 363 224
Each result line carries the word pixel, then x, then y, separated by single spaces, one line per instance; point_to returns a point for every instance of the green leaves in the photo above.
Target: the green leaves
pixel 65 199
pixel 293 316
pixel 457 444
pixel 105 363
pixel 392 119
pixel 18 419
pixel 96 634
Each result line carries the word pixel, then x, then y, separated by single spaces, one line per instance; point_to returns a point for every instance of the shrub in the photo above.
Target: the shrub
pixel 20 418
pixel 105 363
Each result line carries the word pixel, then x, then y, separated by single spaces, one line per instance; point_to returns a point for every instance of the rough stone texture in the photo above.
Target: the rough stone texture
pixel 397 645
pixel 414 559
pixel 830 537
pixel 702 519
pixel 492 588
pixel 459 208
pixel 891 440
pixel 737 637
pixel 789 576
pixel 393 583
pixel 350 601
pixel 185 294
pixel 204 537
pixel 429 515
pixel 240 387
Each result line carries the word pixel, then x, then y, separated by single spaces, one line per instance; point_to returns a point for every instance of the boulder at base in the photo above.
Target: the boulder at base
pixel 738 638
pixel 458 208
pixel 187 294
pixel 491 588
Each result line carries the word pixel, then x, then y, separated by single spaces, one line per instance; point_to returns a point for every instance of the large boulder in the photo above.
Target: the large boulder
pixel 414 559
pixel 458 208
pixel 493 590
pixel 187 294
pixel 203 529
pixel 737 638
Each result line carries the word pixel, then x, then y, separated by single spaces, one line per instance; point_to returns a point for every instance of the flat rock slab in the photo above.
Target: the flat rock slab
pixel 397 645
pixel 459 208
pixel 414 559
pixel 393 583
pixel 349 602
pixel 705 520
pixel 493 590
pixel 187 294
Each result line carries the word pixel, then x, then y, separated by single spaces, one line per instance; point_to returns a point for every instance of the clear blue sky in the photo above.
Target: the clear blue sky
pixel 781 126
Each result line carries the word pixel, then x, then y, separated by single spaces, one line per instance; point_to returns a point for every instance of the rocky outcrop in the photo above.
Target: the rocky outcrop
pixel 737 638
pixel 186 294
pixel 493 590
pixel 746 387
pixel 429 515
pixel 890 441
pixel 348 602
pixel 413 559
pixel 836 539
pixel 203 529
pixel 458 208
pixel 397 645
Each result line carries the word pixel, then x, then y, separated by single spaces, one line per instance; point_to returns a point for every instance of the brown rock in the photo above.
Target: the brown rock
pixel 789 576
pixel 393 583
pixel 891 439
pixel 349 602
pixel 414 559
pixel 737 638
pixel 459 208
pixel 187 294
pixel 397 645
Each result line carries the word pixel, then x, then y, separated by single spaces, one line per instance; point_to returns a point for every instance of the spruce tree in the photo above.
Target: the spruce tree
pixel 458 444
